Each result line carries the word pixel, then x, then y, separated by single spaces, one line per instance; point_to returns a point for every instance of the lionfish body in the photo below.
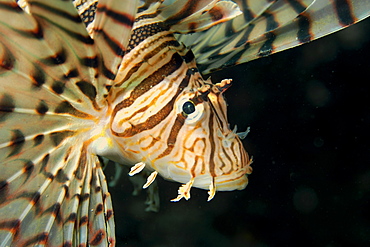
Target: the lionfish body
pixel 166 116
pixel 126 89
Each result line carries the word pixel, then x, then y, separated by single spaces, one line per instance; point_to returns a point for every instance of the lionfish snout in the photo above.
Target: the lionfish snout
pixel 231 160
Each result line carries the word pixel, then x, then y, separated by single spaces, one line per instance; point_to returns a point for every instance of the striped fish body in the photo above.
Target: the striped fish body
pixel 131 93
pixel 164 114
pixel 63 102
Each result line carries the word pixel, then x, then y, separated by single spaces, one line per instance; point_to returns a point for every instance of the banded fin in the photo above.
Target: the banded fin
pixel 86 10
pixel 111 32
pixel 52 189
pixel 270 28
pixel 186 16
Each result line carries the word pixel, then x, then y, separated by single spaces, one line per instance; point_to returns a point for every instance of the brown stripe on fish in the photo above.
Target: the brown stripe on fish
pixel 344 12
pixel 155 78
pixel 304 33
pixel 139 59
pixel 171 140
pixel 7 106
pixel 155 119
pixel 212 148
pixel 187 9
pixel 66 107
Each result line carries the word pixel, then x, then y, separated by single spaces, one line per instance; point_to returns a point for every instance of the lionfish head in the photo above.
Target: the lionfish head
pixel 212 154
pixel 185 137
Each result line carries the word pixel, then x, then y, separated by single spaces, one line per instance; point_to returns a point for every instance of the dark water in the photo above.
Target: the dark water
pixel 309 113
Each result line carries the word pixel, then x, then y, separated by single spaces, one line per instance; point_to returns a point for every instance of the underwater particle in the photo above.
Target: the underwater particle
pixel 318 142
pixel 363 181
pixel 317 94
pixel 305 200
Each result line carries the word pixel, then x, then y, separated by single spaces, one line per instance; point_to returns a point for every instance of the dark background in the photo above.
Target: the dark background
pixel 308 109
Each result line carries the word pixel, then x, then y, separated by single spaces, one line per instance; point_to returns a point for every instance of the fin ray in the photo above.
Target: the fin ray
pixel 51 85
pixel 281 25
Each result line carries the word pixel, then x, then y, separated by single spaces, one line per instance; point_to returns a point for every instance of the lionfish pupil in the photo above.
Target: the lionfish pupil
pixel 188 107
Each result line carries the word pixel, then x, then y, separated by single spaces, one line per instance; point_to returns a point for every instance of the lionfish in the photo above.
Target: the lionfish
pixel 122 80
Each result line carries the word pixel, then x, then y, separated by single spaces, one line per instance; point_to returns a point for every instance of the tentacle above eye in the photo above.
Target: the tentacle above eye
pixel 223 85
pixel 243 134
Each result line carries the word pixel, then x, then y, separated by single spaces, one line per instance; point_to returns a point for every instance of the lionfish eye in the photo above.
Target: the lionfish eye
pixel 188 107
pixel 189 110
